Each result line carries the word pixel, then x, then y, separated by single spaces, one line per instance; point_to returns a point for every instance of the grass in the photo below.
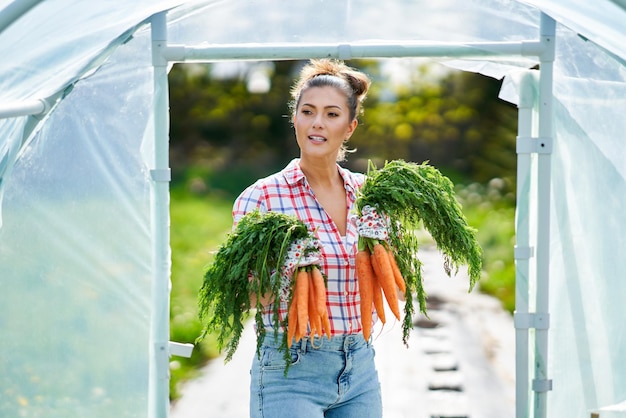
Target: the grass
pixel 492 213
pixel 200 224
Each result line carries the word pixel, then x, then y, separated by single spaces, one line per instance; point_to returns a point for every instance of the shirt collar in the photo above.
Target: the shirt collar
pixel 293 175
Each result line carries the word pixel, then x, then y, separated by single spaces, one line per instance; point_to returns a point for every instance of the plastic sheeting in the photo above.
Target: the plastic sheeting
pixel 587 341
pixel 75 245
pixel 75 241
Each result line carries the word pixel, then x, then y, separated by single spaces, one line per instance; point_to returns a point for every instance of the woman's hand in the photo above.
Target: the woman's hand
pixel 265 300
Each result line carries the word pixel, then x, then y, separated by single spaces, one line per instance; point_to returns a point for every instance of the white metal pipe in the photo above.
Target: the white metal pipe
pixel 285 51
pixel 25 108
pixel 541 383
pixel 161 255
pixel 163 54
pixel 527 102
pixel 14 10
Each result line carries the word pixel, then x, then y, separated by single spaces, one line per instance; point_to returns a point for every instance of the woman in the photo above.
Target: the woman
pixel 333 377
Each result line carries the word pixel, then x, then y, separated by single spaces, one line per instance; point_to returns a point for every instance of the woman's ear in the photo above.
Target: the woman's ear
pixel 352 128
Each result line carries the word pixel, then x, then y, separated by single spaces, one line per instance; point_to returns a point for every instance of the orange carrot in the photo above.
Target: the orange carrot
pixel 320 290
pixel 397 274
pixel 317 327
pixel 315 320
pixel 312 314
pixel 326 324
pixel 302 294
pixel 386 278
pixel 292 320
pixel 365 277
pixel 378 293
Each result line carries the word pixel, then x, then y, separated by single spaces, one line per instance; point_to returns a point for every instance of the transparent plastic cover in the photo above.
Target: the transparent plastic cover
pixel 75 202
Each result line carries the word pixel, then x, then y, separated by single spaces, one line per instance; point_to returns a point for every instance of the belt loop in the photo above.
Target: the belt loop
pixel 303 343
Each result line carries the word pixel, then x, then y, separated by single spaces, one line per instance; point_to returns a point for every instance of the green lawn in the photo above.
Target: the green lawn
pixel 198 225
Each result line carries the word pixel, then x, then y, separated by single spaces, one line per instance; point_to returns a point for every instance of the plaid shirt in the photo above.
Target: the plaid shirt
pixel 289 192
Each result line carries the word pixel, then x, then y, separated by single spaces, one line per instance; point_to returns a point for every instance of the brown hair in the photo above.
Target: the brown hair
pixel 333 73
pixel 325 72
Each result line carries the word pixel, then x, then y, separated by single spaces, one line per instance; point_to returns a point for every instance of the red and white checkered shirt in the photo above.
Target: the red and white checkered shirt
pixel 289 192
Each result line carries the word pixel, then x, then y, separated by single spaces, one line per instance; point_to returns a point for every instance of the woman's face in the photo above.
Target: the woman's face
pixel 322 122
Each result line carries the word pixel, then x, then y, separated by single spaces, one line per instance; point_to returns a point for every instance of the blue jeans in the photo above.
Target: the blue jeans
pixel 329 378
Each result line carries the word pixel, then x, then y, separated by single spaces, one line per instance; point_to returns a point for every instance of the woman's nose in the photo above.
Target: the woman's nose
pixel 317 122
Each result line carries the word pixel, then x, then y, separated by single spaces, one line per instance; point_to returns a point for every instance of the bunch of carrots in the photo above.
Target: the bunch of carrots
pixel 410 197
pixel 256 249
pixel 378 274
pixel 308 305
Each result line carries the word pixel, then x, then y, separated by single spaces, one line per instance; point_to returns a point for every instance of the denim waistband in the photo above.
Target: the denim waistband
pixel 344 342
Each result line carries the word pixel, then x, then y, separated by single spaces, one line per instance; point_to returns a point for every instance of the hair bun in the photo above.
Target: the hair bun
pixel 358 81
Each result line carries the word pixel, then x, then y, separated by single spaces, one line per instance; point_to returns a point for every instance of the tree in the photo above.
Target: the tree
pixel 456 122
pixel 231 136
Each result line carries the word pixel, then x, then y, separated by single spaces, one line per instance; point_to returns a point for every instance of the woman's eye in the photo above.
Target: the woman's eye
pixel 333 114
pixel 306 112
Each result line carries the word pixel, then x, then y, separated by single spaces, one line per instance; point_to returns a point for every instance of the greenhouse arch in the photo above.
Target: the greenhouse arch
pixel 84 180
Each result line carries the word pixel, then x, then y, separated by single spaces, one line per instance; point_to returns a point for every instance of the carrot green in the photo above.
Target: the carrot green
pixel 411 195
pixel 249 263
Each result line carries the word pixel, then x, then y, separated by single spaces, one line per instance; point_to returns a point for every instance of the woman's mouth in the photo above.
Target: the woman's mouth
pixel 316 138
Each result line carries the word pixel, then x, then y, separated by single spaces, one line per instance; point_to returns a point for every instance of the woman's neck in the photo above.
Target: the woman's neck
pixel 327 185
pixel 318 173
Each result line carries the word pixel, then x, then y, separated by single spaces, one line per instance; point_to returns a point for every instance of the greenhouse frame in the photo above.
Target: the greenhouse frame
pixel 85 256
